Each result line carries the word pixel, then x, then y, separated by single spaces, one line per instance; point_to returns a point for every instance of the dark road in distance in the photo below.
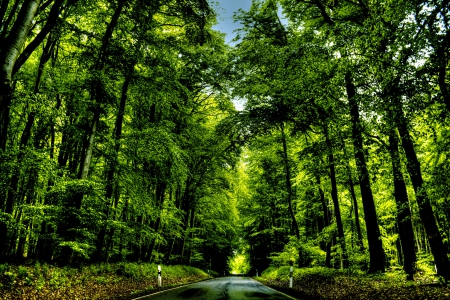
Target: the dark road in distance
pixel 225 288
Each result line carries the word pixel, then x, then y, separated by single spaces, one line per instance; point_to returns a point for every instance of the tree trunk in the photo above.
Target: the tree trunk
pixel 334 196
pixel 404 222
pixel 160 196
pixel 40 37
pixel 287 171
pixel 326 217
pixel 377 257
pixel 355 201
pixel 8 56
pixel 425 209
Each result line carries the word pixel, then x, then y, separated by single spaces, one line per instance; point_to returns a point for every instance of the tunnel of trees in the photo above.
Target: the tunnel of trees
pixel 119 139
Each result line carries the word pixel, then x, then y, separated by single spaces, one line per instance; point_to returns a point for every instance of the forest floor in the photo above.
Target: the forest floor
pixel 103 281
pixel 322 283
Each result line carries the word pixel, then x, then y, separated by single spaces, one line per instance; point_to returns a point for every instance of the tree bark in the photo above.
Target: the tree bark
pixel 160 197
pixel 334 196
pixel 425 209
pixel 404 222
pixel 287 171
pixel 326 217
pixel 376 252
pixel 8 56
pixel 49 25
pixel 355 201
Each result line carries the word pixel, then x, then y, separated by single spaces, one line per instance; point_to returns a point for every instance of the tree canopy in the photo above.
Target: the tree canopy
pixel 119 139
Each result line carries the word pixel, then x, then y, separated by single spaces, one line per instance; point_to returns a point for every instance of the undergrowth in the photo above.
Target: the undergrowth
pixel 325 283
pixel 98 281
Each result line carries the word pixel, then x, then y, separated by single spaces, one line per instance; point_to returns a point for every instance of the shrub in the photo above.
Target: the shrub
pixel 22 272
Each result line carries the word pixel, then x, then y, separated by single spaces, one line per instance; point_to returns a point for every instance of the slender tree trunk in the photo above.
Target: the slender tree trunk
pixel 287 171
pixel 9 53
pixel 377 257
pixel 160 196
pixel 425 209
pixel 326 217
pixel 355 202
pixel 185 206
pixel 29 192
pixel 334 196
pixel 443 86
pixel 50 24
pixel 192 226
pixel 404 222
pixel 3 7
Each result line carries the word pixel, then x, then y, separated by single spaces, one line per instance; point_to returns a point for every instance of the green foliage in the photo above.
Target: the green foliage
pixel 85 280
pixel 119 141
pixel 326 283
pixel 22 272
pixel 239 264
pixel 112 146
pixel 81 249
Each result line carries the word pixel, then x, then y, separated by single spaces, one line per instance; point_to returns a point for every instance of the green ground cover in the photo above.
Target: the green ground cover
pixel 325 283
pixel 100 281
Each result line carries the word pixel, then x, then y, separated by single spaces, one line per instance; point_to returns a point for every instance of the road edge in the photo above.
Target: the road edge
pixel 274 289
pixel 170 289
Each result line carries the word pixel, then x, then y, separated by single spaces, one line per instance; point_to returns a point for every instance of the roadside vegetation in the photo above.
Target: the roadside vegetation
pixel 101 281
pixel 324 283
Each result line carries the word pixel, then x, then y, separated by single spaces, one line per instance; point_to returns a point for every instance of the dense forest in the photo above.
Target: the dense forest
pixel 119 140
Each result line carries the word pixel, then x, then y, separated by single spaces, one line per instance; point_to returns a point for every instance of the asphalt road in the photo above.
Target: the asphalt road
pixel 224 288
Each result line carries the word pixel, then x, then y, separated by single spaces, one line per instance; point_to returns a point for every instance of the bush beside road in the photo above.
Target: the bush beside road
pixel 101 281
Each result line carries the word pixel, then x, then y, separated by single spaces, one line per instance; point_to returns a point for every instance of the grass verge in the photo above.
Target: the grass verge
pixel 323 283
pixel 101 281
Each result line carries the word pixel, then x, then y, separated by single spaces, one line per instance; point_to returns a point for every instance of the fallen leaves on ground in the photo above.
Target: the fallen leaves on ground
pixel 317 286
pixel 86 285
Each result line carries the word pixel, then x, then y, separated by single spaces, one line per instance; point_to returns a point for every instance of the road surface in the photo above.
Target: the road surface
pixel 224 288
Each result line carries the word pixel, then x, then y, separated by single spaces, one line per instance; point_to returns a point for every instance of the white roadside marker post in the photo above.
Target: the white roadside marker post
pixel 291 273
pixel 159 277
pixel 256 272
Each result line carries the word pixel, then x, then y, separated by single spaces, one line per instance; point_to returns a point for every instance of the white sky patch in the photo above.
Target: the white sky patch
pixel 239 104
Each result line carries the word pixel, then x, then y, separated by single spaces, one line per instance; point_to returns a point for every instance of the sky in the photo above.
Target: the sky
pixel 225 10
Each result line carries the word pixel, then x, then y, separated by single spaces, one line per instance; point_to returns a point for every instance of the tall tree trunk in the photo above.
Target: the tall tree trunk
pixel 425 209
pixel 377 257
pixel 334 196
pixel 287 172
pixel 191 236
pixel 326 217
pixel 355 201
pixel 50 24
pixel 185 206
pixel 8 56
pixel 404 222
pixel 160 196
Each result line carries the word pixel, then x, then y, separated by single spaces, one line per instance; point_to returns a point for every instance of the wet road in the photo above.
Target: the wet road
pixel 225 288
